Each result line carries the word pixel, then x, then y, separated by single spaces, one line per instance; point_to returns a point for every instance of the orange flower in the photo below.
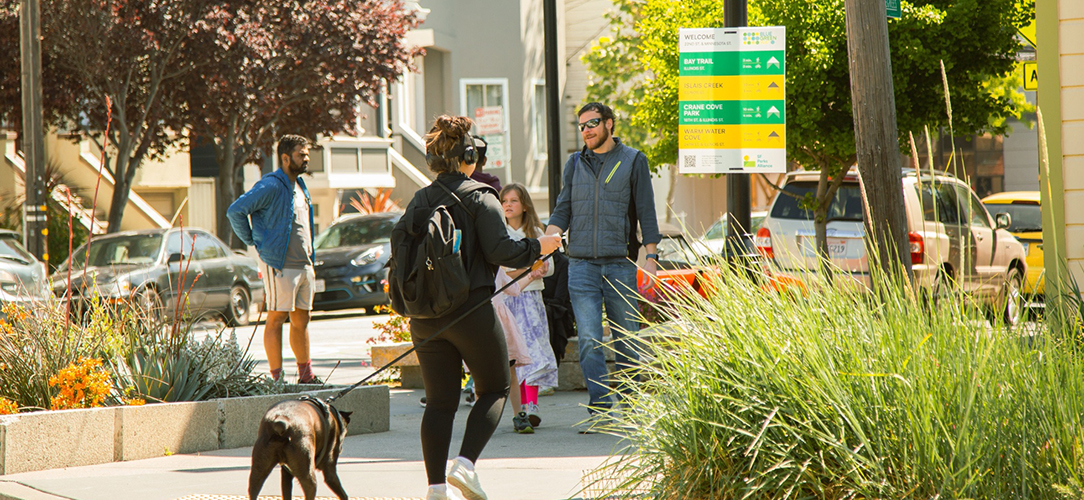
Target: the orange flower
pixel 81 385
pixel 8 407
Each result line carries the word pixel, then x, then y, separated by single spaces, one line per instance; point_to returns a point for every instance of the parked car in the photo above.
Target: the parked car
pixel 681 260
pixel 351 255
pixel 952 238
pixel 1026 223
pixel 151 268
pixel 715 237
pixel 22 277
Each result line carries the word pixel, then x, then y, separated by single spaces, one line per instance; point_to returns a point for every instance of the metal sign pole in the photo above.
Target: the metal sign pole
pixel 33 146
pixel 738 202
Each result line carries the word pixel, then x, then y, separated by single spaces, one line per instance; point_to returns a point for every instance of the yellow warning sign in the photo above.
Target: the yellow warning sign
pixel 1031 76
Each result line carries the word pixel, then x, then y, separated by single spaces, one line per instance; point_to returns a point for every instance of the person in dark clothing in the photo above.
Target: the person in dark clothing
pixel 482 146
pixel 559 306
pixel 478 339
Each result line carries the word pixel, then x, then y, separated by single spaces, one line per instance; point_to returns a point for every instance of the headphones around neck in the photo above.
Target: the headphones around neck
pixel 463 150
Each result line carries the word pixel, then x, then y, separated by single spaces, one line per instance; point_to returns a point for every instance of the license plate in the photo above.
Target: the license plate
pixel 836 247
pixel 319 286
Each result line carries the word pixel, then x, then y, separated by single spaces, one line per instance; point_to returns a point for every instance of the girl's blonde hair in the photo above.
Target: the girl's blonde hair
pixel 531 222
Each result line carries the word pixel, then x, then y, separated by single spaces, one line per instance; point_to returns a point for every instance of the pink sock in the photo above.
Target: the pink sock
pixel 530 394
pixel 523 393
pixel 304 372
pixel 276 374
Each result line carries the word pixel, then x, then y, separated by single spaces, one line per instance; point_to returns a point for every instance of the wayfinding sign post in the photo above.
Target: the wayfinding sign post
pixel 732 102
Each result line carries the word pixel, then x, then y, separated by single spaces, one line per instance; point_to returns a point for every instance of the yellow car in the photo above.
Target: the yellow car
pixel 1027 225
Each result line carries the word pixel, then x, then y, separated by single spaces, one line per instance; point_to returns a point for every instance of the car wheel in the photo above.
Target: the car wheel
pixel 1013 306
pixel 237 313
pixel 150 304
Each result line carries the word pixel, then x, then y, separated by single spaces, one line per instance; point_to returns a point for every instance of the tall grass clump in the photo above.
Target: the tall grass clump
pixel 834 392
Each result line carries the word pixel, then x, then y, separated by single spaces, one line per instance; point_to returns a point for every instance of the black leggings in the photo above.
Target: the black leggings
pixel 477 340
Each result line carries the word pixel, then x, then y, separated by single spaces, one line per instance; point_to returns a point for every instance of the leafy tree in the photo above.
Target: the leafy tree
pixel 299 67
pixel 974 38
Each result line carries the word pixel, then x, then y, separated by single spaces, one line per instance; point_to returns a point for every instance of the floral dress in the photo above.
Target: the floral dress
pixel 530 314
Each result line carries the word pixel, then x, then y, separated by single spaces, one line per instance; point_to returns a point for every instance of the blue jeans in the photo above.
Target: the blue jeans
pixel 593 284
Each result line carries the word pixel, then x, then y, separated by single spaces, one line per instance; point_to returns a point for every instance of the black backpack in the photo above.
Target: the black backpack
pixel 426 275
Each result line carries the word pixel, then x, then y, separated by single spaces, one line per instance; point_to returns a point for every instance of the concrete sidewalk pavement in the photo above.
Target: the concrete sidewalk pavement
pixel 548 465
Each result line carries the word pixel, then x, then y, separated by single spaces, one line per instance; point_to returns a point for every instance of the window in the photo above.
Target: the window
pixel 847 204
pixel 485 100
pixel 206 247
pixel 1026 217
pixel 972 207
pixel 541 133
pixel 174 245
pixel 938 202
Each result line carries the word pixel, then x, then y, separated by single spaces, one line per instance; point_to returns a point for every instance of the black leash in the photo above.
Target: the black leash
pixel 435 335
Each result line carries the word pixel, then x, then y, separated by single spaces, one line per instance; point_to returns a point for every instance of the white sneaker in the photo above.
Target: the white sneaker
pixel 449 494
pixel 466 481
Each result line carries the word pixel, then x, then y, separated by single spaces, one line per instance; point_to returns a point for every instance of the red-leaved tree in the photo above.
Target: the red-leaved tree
pixel 299 67
pixel 133 52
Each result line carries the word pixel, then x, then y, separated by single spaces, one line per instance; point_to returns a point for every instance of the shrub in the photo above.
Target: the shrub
pixel 83 384
pixel 839 393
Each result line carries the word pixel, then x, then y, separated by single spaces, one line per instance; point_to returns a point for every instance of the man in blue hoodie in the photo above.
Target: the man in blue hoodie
pixel 606 189
pixel 281 229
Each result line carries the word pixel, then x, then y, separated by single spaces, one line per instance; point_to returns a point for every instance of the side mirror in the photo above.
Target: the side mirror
pixel 1003 220
pixel 175 257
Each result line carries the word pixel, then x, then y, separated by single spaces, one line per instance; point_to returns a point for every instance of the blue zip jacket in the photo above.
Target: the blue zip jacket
pixel 270 203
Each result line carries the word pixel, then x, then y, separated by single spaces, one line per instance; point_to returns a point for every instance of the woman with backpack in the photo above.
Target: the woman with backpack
pixel 477 339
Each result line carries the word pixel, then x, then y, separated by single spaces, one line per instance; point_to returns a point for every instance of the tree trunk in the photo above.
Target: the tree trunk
pixel 122 186
pixel 820 221
pixel 224 193
pixel 875 134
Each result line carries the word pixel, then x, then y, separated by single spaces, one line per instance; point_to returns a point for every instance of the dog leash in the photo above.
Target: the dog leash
pixel 346 391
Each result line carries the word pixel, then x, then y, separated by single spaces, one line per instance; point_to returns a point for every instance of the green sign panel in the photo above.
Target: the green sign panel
pixel 893 8
pixel 731 100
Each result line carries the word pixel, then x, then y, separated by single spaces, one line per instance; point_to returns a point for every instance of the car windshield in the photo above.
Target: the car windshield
pixel 847 204
pixel 352 233
pixel 718 230
pixel 12 250
pixel 119 250
pixel 1025 217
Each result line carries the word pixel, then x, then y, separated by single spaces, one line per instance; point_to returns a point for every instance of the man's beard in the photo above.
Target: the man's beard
pixel 299 168
pixel 600 137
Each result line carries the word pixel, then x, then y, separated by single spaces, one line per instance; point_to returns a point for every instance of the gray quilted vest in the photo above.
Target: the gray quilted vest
pixel 599 226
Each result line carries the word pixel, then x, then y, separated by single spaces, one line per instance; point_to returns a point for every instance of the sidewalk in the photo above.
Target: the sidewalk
pixel 547 465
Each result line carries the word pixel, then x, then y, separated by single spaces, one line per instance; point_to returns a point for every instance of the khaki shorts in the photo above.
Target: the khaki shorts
pixel 288 289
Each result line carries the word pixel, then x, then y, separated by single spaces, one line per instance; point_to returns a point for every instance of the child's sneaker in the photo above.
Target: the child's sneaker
pixel 532 415
pixel 471 398
pixel 521 424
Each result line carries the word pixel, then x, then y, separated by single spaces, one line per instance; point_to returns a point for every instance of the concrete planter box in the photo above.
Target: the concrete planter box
pixel 72 438
pixel 410 374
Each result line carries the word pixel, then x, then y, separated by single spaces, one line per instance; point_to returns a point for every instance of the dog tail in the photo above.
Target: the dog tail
pixel 278 426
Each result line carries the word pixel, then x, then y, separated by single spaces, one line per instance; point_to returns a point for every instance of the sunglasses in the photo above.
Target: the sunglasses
pixel 592 123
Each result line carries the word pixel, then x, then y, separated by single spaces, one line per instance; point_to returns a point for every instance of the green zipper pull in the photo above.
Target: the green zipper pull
pixel 608 177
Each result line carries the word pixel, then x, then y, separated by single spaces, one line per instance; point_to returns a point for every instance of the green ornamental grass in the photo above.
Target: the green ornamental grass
pixel 834 392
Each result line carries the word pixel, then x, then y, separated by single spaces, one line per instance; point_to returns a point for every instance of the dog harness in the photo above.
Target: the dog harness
pixel 327 412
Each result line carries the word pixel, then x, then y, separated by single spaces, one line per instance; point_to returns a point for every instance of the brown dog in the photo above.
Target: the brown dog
pixel 303 436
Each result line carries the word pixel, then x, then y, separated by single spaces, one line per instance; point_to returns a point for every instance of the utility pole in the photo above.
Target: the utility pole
pixel 875 134
pixel 553 103
pixel 738 202
pixel 33 128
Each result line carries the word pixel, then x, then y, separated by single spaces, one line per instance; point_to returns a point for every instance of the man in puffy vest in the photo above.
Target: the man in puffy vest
pixel 607 186
pixel 275 216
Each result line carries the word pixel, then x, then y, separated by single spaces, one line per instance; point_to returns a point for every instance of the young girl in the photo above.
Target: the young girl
pixel 527 307
pixel 518 355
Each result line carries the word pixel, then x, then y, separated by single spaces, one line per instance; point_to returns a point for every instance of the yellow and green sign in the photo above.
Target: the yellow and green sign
pixel 732 100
